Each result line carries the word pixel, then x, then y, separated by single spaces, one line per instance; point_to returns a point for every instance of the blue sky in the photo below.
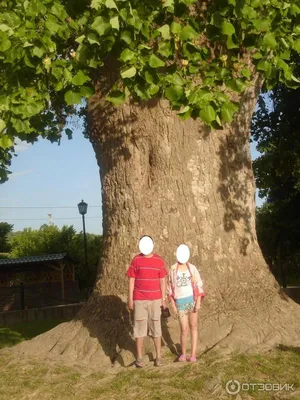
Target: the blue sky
pixel 47 177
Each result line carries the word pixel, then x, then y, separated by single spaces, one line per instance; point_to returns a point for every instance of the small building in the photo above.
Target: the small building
pixel 37 281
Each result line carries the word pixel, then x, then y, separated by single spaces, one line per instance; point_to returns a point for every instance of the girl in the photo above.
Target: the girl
pixel 185 290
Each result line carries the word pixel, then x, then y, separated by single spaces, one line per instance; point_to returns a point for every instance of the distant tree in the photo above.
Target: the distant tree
pixel 275 127
pixel 52 240
pixel 5 230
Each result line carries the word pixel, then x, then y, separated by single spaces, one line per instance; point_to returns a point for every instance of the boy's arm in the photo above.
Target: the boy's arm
pixel 162 282
pixel 130 293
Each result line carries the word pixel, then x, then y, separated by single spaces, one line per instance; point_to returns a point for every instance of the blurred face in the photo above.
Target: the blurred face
pixel 183 254
pixel 146 245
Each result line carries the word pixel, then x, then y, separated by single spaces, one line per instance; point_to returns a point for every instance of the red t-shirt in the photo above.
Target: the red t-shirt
pixel 147 272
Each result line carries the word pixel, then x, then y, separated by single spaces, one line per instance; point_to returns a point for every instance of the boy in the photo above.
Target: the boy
pixel 146 296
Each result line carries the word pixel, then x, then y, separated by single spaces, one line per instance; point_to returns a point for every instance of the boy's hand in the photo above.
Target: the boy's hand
pixel 130 304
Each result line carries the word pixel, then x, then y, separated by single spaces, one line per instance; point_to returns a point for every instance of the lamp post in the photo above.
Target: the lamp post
pixel 82 208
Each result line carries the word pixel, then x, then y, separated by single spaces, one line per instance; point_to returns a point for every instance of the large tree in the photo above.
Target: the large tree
pixel 171 87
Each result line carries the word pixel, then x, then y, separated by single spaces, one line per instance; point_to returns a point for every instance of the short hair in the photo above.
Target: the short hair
pixel 146 236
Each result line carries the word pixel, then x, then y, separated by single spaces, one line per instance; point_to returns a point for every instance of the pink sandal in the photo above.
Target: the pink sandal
pixel 192 359
pixel 182 358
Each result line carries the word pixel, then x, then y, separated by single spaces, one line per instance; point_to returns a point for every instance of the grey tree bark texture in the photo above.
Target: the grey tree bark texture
pixel 180 183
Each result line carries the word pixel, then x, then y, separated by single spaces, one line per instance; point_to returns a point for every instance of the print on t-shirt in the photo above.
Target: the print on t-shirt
pixel 183 279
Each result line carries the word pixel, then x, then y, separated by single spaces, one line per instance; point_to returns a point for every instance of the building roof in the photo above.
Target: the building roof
pixel 34 260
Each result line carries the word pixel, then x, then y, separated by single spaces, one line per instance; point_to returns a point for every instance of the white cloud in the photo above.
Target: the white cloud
pixel 15 174
pixel 21 146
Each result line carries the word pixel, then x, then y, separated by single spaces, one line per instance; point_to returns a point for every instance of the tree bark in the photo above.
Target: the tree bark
pixel 180 183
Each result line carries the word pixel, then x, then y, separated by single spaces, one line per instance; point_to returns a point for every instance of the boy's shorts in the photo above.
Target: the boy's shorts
pixel 147 315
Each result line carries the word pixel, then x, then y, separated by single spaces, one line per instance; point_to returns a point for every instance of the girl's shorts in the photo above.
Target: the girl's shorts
pixel 185 305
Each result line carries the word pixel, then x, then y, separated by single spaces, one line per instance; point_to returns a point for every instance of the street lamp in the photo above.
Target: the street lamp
pixel 82 208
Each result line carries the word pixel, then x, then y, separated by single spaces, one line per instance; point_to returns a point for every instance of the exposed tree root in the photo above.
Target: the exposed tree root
pixel 102 342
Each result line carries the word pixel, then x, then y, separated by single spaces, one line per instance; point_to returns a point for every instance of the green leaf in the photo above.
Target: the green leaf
pixel 227 28
pixel 230 43
pixel 165 31
pixel 261 24
pixel 173 93
pixel 164 48
pixel 59 11
pixel 227 111
pixel 262 65
pixel 87 91
pixel 257 56
pixel 93 38
pixel 38 51
pixel 80 78
pixel 116 97
pixel 237 85
pixel 100 25
pixel 6 141
pixel 52 26
pixel 296 45
pixel 246 73
pixel 269 40
pixel 294 10
pixel 2 125
pixel 127 55
pixel 126 36
pixel 168 4
pixel 153 89
pixel 175 79
pixel 185 113
pixel 208 114
pixel 72 97
pixel 128 73
pixel 175 27
pixel 67 75
pixel 80 39
pixel 155 62
pixel 188 33
pixel 96 4
pixel 114 22
pixel 151 77
pixel 5 44
pixel 111 4
pixel 21 126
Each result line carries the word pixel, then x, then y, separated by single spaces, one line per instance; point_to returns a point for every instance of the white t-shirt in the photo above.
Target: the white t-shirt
pixel 183 284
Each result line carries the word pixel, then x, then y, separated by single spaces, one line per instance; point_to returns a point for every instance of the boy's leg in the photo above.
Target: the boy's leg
pixel 184 329
pixel 155 325
pixel 139 347
pixel 140 325
pixel 194 332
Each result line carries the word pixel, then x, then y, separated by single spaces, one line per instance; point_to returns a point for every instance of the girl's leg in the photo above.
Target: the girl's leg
pixel 194 332
pixel 184 329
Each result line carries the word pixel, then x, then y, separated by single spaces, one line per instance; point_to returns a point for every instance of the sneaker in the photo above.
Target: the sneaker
pixel 158 362
pixel 192 359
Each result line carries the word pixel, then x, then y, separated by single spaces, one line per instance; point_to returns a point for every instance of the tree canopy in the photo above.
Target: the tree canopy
pixel 5 230
pixel 198 55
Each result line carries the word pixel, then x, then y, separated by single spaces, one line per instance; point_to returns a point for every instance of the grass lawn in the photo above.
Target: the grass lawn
pixel 206 379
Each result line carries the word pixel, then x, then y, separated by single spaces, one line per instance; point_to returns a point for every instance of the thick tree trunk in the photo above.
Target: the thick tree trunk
pixel 179 183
